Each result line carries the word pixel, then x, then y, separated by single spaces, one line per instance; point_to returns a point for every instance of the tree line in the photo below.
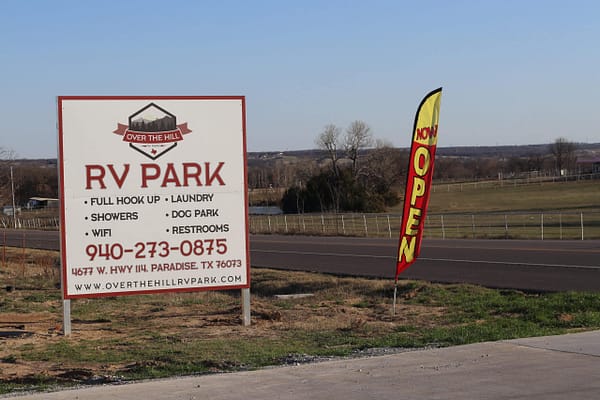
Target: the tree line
pixel 351 171
pixel 357 173
pixel 27 181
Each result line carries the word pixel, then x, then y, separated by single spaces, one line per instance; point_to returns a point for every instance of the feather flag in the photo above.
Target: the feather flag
pixel 418 180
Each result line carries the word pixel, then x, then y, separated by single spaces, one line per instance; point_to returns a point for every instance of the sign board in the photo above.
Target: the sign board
pixel 154 194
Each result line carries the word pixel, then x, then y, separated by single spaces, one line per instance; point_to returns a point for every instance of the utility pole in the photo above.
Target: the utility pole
pixel 12 184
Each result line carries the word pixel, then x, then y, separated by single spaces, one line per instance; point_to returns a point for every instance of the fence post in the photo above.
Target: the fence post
pixel 505 226
pixel 286 225
pixel 366 230
pixel 560 225
pixel 389 226
pixel 323 223
pixel 443 228
pixel 542 221
pixel 269 219
pixel 581 226
pixel 343 225
pixel 4 250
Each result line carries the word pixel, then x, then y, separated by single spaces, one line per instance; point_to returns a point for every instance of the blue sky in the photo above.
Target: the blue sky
pixel 513 72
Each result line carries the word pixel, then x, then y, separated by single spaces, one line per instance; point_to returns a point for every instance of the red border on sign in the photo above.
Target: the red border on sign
pixel 63 234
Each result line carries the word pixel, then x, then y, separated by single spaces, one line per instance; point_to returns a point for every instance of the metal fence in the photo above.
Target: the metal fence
pixel 563 225
pixel 40 223
pixel 549 225
pixel 513 182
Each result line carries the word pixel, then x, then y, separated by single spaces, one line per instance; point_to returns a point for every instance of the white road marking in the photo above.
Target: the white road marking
pixel 508 263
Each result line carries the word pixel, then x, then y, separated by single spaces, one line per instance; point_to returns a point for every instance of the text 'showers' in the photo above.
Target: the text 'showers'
pixel 418 182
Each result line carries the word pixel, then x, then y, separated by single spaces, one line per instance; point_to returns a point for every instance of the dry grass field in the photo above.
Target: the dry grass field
pixel 117 339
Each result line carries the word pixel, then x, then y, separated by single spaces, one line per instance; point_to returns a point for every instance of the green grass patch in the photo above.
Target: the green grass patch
pixel 474 210
pixel 548 196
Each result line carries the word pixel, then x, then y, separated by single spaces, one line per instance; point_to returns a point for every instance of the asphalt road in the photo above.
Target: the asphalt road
pixel 528 265
pixel 32 239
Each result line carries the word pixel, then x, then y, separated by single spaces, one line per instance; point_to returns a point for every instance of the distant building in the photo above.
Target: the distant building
pixel 8 210
pixel 264 210
pixel 589 165
pixel 35 203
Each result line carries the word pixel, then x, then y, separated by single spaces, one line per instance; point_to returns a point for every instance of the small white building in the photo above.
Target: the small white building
pixel 41 202
pixel 8 210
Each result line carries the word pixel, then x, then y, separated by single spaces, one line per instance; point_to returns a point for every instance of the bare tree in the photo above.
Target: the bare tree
pixel 329 140
pixel 385 167
pixel 564 155
pixel 535 163
pixel 7 158
pixel 358 137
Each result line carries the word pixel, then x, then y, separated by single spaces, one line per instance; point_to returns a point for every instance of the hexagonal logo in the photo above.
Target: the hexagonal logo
pixel 152 131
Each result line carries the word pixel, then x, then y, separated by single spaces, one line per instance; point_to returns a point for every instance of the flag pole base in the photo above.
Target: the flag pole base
pixel 395 297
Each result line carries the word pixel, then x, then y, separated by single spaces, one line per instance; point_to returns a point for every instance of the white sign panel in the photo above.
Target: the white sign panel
pixel 153 194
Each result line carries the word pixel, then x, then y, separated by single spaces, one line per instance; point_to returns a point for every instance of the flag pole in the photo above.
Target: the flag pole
pixel 395 296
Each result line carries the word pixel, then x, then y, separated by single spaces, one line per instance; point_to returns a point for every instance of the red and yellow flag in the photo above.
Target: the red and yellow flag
pixel 418 182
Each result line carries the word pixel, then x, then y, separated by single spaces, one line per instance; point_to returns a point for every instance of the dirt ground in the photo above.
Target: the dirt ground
pixel 31 318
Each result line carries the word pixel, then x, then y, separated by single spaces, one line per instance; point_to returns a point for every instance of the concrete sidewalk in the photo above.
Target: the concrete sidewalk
pixel 553 367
